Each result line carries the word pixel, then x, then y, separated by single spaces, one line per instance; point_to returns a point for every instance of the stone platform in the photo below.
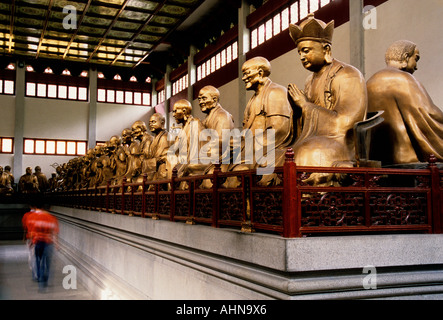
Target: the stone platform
pixel 128 257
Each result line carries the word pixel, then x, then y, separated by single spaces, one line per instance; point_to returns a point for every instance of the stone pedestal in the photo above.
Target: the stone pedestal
pixel 135 258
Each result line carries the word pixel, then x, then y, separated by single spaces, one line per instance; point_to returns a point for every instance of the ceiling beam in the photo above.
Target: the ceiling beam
pixel 157 9
pixel 76 30
pixel 162 40
pixel 11 26
pixel 45 25
pixel 109 29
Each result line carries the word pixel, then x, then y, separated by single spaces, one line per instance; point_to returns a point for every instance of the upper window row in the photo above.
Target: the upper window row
pixel 293 13
pixel 6 145
pixel 281 20
pixel 219 60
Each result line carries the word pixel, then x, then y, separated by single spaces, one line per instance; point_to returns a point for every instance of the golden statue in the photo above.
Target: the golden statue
pixel 43 184
pixel 184 153
pixel 53 182
pixel 217 119
pixel 154 163
pixel 107 160
pixel 28 182
pixel 140 142
pixel 413 126
pixel 122 154
pixel 334 99
pixel 268 108
pixel 6 180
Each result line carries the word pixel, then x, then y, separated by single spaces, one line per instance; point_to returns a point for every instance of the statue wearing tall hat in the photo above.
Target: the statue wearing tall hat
pixel 333 100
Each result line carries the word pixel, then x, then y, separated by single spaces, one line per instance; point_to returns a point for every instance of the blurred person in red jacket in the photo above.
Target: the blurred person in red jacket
pixel 43 229
pixel 29 244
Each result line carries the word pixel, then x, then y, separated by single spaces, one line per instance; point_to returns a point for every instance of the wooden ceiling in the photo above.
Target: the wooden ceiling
pixel 114 33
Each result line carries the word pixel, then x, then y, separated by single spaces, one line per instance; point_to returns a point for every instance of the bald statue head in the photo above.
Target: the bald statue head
pixel 403 55
pixel 156 123
pixel 255 72
pixel 208 98
pixel 181 111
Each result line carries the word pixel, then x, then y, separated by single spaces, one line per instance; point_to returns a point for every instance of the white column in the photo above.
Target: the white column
pixel 19 128
pixel 243 48
pixel 168 94
pixel 192 73
pixel 357 38
pixel 92 115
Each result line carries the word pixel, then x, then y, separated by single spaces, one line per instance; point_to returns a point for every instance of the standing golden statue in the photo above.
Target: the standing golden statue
pixel 413 126
pixel 334 99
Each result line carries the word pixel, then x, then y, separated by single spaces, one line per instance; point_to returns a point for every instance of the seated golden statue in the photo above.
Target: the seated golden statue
pixel 42 180
pixel 268 119
pixel 154 160
pixel 6 180
pixel 140 142
pixel 28 182
pixel 184 153
pixel 334 99
pixel 121 156
pixel 52 182
pixel 220 121
pixel 413 126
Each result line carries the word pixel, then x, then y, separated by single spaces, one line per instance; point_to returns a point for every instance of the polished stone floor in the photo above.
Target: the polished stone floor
pixel 16 282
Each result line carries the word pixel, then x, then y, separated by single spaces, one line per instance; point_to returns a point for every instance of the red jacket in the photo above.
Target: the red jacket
pixel 42 226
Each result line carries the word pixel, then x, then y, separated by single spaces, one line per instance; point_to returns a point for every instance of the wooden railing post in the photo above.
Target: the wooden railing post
pixel 107 196
pixel 291 218
pixel 215 202
pixel 174 176
pixel 122 198
pixel 145 177
pixel 437 219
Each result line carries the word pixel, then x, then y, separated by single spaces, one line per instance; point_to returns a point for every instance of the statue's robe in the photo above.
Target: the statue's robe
pixel 337 100
pixel 268 109
pixel 154 164
pixel 413 125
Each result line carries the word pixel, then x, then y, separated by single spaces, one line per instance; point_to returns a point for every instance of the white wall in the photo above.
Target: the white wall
pixel 7 115
pixel 112 119
pixel 416 21
pixel 56 119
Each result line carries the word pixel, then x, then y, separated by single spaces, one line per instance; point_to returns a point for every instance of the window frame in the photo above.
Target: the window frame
pixel 60 147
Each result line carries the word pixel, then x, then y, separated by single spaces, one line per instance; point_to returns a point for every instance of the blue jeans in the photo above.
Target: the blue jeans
pixel 43 256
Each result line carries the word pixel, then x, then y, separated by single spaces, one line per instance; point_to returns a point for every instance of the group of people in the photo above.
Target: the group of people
pixel 317 122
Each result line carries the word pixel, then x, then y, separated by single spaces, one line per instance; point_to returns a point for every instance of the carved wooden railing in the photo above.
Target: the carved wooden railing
pixel 367 200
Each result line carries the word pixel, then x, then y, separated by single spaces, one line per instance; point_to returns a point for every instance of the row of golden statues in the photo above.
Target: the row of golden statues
pixel 29 182
pixel 317 122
